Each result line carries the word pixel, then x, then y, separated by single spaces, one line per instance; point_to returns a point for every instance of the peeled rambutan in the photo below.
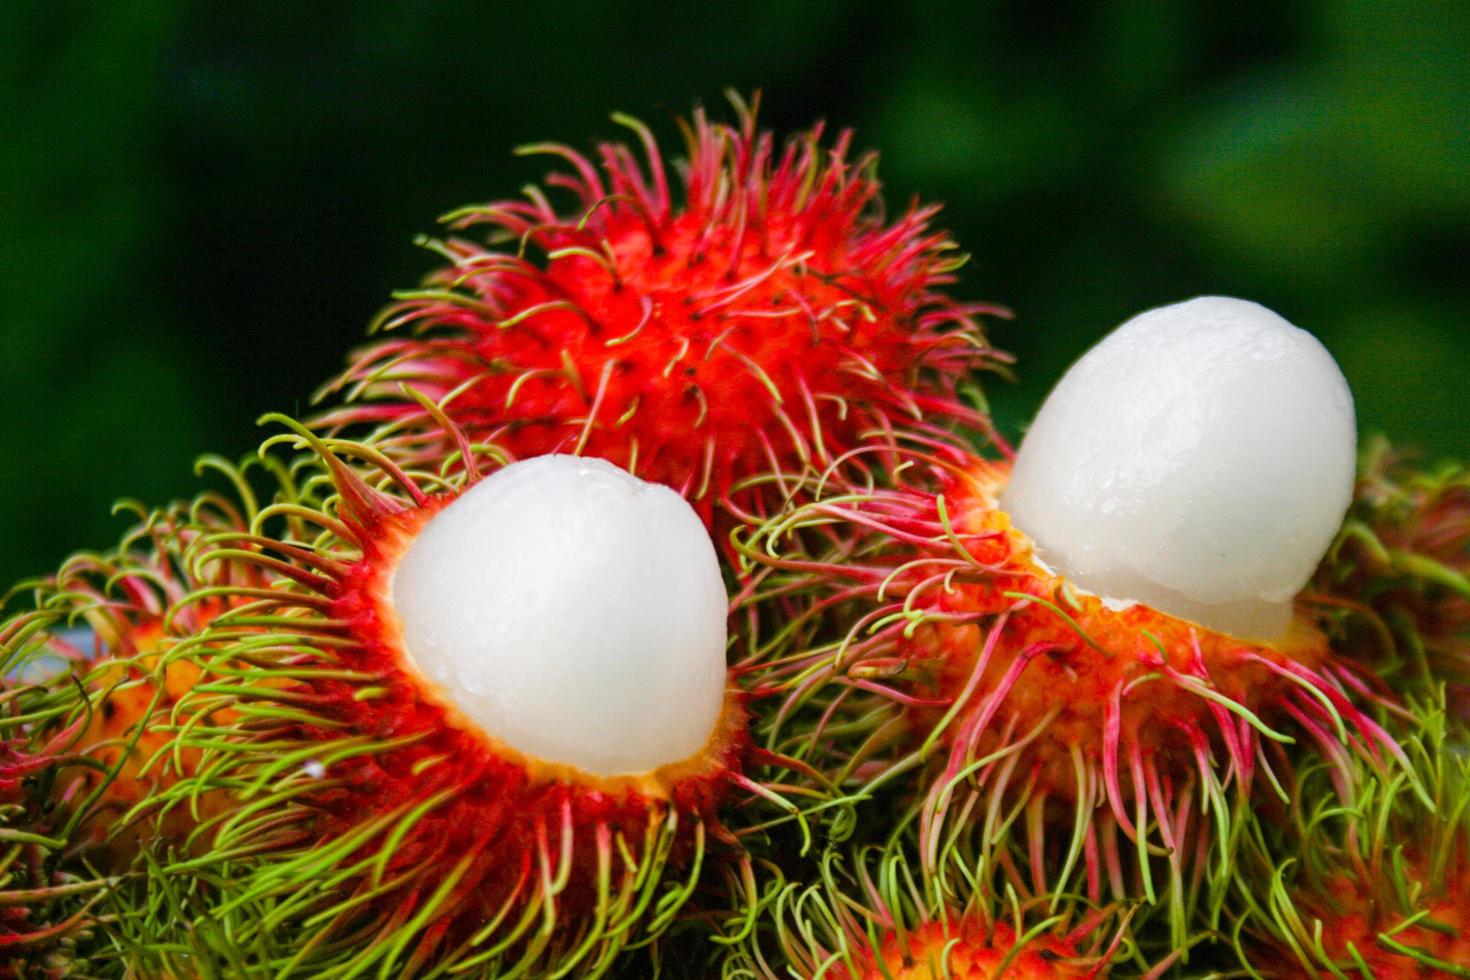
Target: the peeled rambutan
pixel 762 316
pixel 1368 877
pixel 1102 744
pixel 475 724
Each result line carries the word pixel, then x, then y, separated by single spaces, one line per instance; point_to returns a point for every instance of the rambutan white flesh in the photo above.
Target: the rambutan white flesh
pixel 1199 460
pixel 573 611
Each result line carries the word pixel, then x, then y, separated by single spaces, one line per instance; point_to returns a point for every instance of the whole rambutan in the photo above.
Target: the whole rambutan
pixel 882 915
pixel 476 723
pixel 1399 574
pixel 1102 744
pixel 755 314
pixel 49 893
pixel 1364 878
pixel 86 747
pixel 131 603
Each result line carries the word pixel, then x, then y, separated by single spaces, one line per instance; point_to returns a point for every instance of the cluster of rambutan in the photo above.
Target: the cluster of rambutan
pixel 1368 877
pixel 438 684
pixel 87 755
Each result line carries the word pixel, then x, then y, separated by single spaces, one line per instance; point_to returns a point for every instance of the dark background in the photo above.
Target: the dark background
pixel 202 204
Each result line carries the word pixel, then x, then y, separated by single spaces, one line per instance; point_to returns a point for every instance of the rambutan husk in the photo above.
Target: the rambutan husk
pixel 763 315
pixel 49 894
pixel 130 601
pixel 875 911
pixel 86 748
pixel 1363 877
pixel 1396 583
pixel 923 652
pixel 374 828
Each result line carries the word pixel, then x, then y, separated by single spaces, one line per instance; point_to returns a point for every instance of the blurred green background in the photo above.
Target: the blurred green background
pixel 202 204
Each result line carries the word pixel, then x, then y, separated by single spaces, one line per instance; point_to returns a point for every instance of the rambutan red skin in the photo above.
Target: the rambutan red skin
pixel 120 734
pixel 1087 671
pixel 1400 575
pixel 132 602
pixel 1351 914
pixel 19 759
pixel 1007 638
pixel 767 324
pixel 967 949
pixel 1114 729
pixel 504 807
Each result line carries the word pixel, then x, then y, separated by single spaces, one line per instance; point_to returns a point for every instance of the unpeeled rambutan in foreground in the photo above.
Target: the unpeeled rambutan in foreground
pixel 481 726
pixel 755 313
pixel 881 916
pixel 86 750
pixel 48 894
pixel 1095 743
pixel 127 603
pixel 1364 878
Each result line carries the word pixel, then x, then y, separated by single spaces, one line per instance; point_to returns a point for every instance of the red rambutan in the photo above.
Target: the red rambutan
pixel 762 317
pixel 959 647
pixel 921 628
pixel 126 604
pixel 392 810
pixel 881 917
pixel 42 904
pixel 1400 571
pixel 1368 877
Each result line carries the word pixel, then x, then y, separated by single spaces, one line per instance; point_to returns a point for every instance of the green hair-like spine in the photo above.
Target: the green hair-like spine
pixel 1373 874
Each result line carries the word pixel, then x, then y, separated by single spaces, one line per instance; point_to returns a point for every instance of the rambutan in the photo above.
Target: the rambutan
pixel 881 915
pixel 921 629
pixel 480 726
pixel 86 747
pixel 49 894
pixel 761 317
pixel 1399 574
pixel 130 602
pixel 53 896
pixel 1368 877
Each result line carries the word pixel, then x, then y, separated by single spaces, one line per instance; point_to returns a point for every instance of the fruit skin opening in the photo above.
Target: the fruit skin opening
pixel 1107 675
pixel 568 609
pixel 928 625
pixel 347 770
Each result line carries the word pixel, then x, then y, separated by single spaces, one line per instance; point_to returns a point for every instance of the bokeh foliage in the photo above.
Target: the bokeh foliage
pixel 202 204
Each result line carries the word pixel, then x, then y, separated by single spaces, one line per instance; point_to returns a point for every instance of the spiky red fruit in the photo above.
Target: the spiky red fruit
pixel 763 317
pixel 969 949
pixel 131 604
pixel 41 905
pixel 447 845
pixel 1367 876
pixel 1024 691
pixel 1400 571
pixel 74 749
pixel 1363 937
pixel 885 916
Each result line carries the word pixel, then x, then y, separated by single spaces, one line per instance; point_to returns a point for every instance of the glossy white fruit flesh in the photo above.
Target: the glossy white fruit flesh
pixel 572 611
pixel 1199 460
